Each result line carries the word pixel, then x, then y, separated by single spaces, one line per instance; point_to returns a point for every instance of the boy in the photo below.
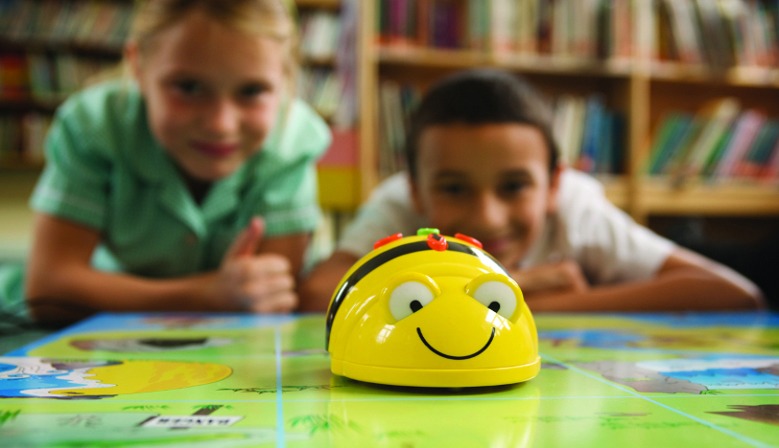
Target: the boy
pixel 482 161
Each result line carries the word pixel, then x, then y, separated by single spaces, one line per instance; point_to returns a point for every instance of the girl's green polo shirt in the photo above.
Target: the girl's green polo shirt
pixel 105 170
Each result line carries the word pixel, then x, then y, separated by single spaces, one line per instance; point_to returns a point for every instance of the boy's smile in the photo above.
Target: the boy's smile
pixel 489 181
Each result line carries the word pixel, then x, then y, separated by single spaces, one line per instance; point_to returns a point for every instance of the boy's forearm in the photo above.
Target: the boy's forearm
pixel 318 287
pixel 678 291
pixel 316 290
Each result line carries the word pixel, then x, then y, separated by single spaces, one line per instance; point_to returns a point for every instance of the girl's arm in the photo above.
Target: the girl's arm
pixel 686 281
pixel 62 286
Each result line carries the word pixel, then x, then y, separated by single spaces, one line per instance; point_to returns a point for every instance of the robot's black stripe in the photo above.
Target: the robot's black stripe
pixel 395 252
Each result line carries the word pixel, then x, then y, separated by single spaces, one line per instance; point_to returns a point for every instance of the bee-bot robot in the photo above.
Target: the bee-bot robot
pixel 431 311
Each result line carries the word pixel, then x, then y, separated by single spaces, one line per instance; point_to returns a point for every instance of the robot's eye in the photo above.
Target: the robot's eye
pixel 408 298
pixel 497 296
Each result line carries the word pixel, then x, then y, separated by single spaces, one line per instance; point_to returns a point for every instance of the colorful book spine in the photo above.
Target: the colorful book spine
pixel 745 131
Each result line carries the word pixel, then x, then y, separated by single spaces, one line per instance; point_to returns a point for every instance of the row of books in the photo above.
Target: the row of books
pixel 396 101
pixel 328 80
pixel 106 24
pixel 21 139
pixel 66 22
pixel 434 23
pixel 562 28
pixel 720 142
pixel 50 78
pixel 717 33
pixel 46 76
pixel 590 134
pixel 596 28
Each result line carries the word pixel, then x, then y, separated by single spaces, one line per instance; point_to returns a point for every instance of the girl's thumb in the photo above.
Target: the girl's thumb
pixel 247 242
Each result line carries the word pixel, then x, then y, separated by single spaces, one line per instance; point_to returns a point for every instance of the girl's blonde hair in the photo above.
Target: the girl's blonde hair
pixel 273 19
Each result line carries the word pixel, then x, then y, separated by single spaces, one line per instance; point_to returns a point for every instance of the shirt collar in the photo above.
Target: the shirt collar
pixel 151 163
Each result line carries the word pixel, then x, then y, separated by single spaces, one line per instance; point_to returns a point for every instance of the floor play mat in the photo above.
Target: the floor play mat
pixel 192 380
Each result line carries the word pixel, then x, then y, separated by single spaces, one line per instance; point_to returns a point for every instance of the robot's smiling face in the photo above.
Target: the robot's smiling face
pixel 413 292
pixel 451 317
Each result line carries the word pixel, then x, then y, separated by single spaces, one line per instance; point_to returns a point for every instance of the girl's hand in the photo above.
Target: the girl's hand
pixel 261 283
pixel 553 278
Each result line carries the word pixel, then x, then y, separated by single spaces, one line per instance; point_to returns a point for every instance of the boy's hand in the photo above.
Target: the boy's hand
pixel 259 283
pixel 553 278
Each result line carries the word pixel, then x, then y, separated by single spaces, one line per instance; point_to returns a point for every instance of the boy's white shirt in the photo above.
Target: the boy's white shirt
pixel 608 245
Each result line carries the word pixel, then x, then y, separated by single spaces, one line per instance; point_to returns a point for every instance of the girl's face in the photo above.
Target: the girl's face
pixel 490 182
pixel 212 93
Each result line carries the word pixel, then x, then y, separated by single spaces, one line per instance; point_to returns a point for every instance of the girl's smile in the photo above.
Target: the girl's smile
pixel 216 150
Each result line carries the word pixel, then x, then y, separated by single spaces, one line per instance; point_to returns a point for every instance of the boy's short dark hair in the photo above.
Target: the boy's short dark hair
pixel 476 97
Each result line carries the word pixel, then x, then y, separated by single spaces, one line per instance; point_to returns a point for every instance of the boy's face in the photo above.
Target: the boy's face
pixel 490 182
pixel 212 93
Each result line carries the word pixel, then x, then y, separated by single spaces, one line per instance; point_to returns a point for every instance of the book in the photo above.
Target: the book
pixel 319 35
pixel 503 21
pixel 684 31
pixel 35 126
pixel 604 157
pixel 527 25
pixel 571 144
pixel 592 136
pixel 753 161
pixel 715 119
pixel 13 76
pixel 665 47
pixel 479 24
pixel 622 44
pixel 41 74
pixel 745 131
pixel 566 111
pixel 610 156
pixel 392 132
pixel 716 44
pixel 769 174
pixel 709 166
pixel 670 133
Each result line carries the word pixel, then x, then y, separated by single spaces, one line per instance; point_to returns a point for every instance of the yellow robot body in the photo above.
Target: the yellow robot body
pixel 431 311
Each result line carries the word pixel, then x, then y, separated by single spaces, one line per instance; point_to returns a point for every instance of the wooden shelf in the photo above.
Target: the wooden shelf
pixel 572 66
pixel 658 197
pixel 616 189
pixel 421 57
pixel 735 76
pixel 318 4
pixel 29 103
pixel 95 50
pixel 20 166
pixel 418 57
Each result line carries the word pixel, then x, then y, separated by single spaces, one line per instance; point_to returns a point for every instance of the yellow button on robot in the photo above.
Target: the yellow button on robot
pixel 431 311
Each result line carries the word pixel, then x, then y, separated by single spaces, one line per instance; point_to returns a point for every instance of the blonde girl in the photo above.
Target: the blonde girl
pixel 193 187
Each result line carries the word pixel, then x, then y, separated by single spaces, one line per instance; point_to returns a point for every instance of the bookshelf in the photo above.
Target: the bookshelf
pixel 47 50
pixel 329 58
pixel 628 53
pixel 637 68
